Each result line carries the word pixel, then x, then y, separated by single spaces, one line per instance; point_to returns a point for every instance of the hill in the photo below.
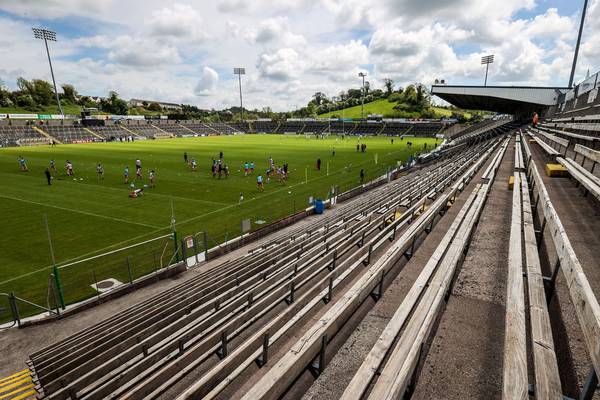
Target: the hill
pixel 386 108
pixel 70 109
pixel 67 109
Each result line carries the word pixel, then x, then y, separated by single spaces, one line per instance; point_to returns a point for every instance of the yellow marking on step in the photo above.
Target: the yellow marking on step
pixel 11 377
pixel 44 133
pixel 19 392
pixel 93 133
pixel 25 395
pixel 13 380
pixel 129 130
pixel 7 387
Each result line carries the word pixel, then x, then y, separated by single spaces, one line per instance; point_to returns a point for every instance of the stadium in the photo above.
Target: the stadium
pixel 409 233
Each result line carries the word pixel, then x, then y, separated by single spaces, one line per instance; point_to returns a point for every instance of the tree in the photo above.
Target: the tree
pixel 5 100
pixel 24 85
pixel 312 110
pixel 70 94
pixel 319 97
pixel 354 93
pixel 86 101
pixel 40 91
pixel 409 95
pixel 423 97
pixel 25 100
pixel 113 104
pixel 395 97
pixel 377 93
pixel 389 86
pixel 154 106
pixel 43 92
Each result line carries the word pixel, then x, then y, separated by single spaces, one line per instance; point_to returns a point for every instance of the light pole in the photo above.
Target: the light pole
pixel 239 72
pixel 343 118
pixel 362 97
pixel 45 34
pixel 487 60
pixel 577 45
pixel 329 119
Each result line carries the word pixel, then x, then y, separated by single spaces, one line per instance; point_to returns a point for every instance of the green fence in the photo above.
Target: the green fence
pixel 82 279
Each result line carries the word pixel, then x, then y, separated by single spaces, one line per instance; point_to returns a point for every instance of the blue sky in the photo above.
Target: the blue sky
pixel 184 51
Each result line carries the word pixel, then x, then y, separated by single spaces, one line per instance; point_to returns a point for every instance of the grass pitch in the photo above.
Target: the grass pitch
pixel 88 216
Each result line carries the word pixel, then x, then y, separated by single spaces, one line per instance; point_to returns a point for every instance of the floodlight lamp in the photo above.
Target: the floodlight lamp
pixel 42 33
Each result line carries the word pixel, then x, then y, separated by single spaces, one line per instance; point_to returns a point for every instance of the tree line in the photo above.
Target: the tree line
pixel 414 98
pixel 38 95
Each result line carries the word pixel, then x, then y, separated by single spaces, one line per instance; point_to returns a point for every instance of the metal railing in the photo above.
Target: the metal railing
pixel 13 307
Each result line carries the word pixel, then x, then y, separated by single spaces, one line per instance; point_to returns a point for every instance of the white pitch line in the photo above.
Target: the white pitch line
pixel 161 195
pixel 151 193
pixel 79 212
pixel 266 194
pixel 168 226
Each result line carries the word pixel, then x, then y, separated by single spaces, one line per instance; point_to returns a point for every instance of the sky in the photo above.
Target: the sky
pixel 185 51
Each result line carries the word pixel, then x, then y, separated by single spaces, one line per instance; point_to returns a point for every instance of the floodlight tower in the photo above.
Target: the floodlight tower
pixel 45 34
pixel 487 60
pixel 239 72
pixel 362 75
pixel 578 43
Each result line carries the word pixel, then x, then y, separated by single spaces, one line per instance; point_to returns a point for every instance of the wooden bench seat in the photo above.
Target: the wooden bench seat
pixel 572 135
pixel 588 154
pixel 582 175
pixel 582 296
pixel 545 364
pixel 545 146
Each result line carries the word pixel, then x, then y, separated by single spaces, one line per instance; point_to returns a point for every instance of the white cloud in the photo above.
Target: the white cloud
pixel 180 22
pixel 56 8
pixel 290 48
pixel 283 65
pixel 232 5
pixel 273 31
pixel 551 25
pixel 338 57
pixel 141 52
pixel 207 85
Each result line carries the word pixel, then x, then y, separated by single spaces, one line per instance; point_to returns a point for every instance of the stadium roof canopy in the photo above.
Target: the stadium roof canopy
pixel 503 99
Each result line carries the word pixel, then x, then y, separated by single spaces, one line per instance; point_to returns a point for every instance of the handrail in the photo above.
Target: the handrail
pixel 12 300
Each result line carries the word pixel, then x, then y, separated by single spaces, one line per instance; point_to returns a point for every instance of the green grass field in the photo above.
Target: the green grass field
pixel 88 216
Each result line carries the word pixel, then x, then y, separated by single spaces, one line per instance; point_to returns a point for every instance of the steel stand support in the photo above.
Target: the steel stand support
pixel 316 367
